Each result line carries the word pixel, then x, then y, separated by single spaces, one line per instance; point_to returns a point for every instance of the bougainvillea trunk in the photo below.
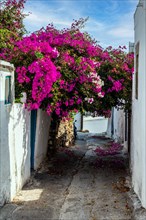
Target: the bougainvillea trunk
pixel 52 142
pixel 61 133
pixel 66 135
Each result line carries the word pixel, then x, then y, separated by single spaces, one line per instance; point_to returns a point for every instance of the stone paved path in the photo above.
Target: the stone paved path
pixel 76 184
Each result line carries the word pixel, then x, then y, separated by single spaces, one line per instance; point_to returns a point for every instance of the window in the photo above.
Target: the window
pixel 7 89
pixel 136 73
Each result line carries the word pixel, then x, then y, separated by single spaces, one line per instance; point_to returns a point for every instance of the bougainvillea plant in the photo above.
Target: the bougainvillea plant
pixel 116 71
pixel 11 28
pixel 11 23
pixel 65 71
pixel 11 16
pixel 57 70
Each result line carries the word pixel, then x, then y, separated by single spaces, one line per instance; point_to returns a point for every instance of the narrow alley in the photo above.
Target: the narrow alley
pixel 84 182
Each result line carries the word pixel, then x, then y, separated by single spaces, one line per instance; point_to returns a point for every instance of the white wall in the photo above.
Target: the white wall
pixel 119 125
pixel 15 151
pixel 116 126
pixel 15 137
pixel 77 120
pixel 19 131
pixel 5 111
pixel 95 124
pixel 42 135
pixel 5 180
pixel 138 133
pixel 14 141
pixel 109 127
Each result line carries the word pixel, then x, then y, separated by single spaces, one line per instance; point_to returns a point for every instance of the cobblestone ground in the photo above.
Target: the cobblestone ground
pixel 76 184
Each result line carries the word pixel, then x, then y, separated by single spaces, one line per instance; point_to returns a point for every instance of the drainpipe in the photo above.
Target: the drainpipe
pixel 128 113
pixel 129 132
pixel 126 125
pixel 112 123
pixel 81 121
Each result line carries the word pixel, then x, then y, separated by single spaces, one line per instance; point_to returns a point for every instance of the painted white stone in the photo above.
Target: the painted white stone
pixel 138 133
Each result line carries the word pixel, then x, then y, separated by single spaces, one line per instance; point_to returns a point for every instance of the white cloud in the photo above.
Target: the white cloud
pixel 34 18
pixel 133 2
pixel 121 32
pixel 94 25
pixel 124 27
pixel 117 32
pixel 112 7
pixel 61 15
pixel 37 19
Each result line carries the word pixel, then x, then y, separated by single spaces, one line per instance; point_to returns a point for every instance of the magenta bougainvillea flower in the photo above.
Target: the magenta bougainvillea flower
pixel 66 71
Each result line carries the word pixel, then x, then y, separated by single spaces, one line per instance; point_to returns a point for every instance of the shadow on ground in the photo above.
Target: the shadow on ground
pixel 83 182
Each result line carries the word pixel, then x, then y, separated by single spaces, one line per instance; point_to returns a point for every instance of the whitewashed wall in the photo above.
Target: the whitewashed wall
pixel 42 135
pixel 19 132
pixel 5 111
pixel 95 124
pixel 119 125
pixel 116 126
pixel 109 127
pixel 138 133
pixel 77 120
pixel 14 141
pixel 15 149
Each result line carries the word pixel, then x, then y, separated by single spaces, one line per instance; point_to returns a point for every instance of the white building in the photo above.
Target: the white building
pixel 23 138
pixel 138 133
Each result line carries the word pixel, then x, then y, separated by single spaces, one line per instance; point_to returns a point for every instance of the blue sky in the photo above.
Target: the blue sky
pixel 110 21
